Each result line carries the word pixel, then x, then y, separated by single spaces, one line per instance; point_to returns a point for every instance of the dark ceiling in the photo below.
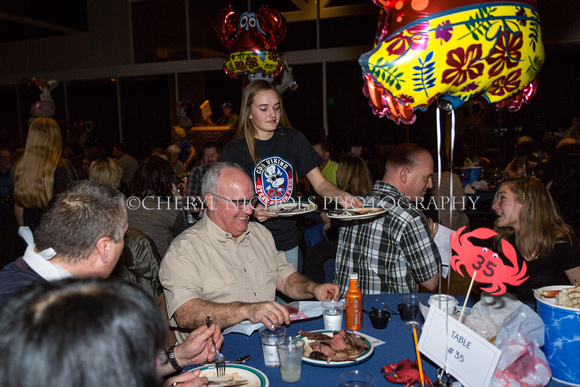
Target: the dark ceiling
pixel 33 19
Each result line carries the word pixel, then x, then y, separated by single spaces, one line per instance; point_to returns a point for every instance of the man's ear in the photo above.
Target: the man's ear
pixel 404 175
pixel 209 202
pixel 103 248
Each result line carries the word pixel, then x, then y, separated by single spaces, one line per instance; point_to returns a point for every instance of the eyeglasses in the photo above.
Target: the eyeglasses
pixel 241 203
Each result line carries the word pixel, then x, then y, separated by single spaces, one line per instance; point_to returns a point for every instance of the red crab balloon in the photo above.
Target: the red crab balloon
pixel 252 38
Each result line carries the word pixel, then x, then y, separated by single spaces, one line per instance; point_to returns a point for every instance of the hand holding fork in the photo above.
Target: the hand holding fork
pixel 220 360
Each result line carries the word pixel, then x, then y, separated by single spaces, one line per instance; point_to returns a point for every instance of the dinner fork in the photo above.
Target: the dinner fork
pixel 220 360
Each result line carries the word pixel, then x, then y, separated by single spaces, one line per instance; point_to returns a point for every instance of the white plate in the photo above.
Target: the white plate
pixel 294 208
pixel 353 215
pixel 323 363
pixel 255 377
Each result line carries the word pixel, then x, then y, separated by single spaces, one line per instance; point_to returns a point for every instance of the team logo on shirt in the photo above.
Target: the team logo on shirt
pixel 273 180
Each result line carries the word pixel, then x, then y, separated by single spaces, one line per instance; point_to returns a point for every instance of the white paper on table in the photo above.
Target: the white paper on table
pixel 443 242
pixel 466 355
pixel 373 340
pixel 306 310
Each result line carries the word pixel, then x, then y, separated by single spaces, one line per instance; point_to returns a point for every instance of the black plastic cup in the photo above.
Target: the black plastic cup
pixel 380 318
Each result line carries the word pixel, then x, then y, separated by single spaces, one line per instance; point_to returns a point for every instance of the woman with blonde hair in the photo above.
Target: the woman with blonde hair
pixel 40 172
pixel 108 170
pixel 529 219
pixel 273 154
pixel 354 176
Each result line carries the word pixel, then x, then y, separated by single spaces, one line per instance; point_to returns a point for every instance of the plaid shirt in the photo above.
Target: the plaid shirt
pixel 391 253
pixel 194 181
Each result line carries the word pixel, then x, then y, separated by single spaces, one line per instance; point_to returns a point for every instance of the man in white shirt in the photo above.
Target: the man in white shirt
pixel 81 235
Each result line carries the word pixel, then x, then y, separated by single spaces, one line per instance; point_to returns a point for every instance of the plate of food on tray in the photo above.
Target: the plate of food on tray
pixel 327 348
pixel 356 213
pixel 290 208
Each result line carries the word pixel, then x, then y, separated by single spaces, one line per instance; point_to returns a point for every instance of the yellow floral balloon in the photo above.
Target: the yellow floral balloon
pixel 251 62
pixel 455 53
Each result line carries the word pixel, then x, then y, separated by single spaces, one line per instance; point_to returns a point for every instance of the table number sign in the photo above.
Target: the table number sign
pixel 469 357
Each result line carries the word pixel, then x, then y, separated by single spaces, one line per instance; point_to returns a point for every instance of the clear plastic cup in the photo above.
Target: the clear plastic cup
pixel 290 349
pixel 332 312
pixel 411 312
pixel 269 335
pixel 356 378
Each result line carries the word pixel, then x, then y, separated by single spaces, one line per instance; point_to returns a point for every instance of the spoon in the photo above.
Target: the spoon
pixel 389 308
pixel 241 360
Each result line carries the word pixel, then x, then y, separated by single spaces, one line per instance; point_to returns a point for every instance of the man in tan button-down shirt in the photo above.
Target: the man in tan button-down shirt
pixel 227 267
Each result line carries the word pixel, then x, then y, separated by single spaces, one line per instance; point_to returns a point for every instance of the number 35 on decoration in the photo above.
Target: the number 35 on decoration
pixel 488 265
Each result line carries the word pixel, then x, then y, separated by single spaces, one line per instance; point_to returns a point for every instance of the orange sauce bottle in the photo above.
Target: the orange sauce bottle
pixel 353 305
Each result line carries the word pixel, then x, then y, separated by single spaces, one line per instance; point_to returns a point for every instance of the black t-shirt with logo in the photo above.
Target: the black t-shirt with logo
pixel 274 176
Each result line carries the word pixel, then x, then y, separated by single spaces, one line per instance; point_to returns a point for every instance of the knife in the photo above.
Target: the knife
pixel 229 383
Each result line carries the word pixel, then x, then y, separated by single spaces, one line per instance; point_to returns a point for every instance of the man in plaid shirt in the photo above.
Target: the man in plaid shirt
pixel 211 155
pixel 395 251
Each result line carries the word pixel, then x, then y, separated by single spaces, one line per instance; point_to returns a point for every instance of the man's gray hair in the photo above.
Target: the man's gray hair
pixel 210 181
pixel 77 217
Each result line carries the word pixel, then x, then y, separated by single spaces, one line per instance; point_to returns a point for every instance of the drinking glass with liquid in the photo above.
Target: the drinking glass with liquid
pixel 269 335
pixel 332 312
pixel 290 349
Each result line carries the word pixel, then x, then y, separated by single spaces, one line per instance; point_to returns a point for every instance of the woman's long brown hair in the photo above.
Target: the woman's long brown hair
pixel 541 225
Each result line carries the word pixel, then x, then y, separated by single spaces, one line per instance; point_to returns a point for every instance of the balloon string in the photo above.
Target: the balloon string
pixel 452 136
pixel 438 147
pixel 451 197
pixel 438 112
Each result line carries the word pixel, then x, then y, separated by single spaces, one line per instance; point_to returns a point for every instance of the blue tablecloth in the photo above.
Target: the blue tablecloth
pixel 399 345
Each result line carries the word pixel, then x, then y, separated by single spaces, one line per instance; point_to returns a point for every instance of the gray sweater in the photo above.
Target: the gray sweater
pixel 158 220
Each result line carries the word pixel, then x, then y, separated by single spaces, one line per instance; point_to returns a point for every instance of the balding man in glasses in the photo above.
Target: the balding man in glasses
pixel 228 267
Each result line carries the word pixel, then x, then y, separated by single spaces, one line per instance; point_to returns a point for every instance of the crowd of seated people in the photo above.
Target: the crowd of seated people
pixel 394 252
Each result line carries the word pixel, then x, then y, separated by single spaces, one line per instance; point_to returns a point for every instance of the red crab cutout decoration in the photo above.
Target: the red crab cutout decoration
pixel 405 371
pixel 490 267
pixel 252 38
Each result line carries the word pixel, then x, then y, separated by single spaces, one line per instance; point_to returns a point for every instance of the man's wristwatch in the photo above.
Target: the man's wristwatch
pixel 172 360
